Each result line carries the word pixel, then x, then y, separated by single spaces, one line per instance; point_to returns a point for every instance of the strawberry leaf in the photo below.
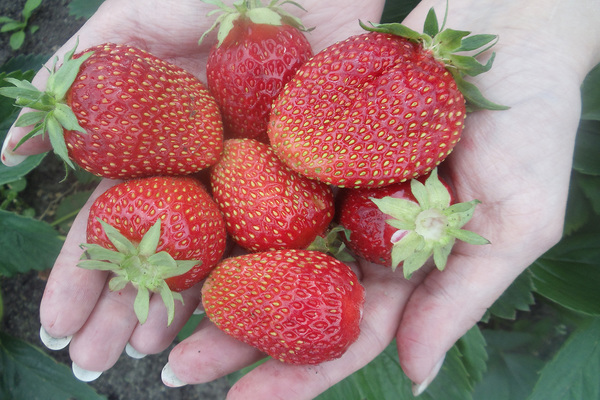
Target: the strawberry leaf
pixel 141 305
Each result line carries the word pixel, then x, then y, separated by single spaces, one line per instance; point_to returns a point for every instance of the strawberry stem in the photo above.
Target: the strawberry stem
pixel 139 265
pixel 428 228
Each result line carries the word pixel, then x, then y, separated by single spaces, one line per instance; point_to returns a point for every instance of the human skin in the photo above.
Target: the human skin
pixel 516 162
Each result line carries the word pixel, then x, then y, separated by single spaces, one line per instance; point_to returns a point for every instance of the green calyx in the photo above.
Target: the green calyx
pixel 445 44
pixel 139 265
pixel 52 114
pixel 255 11
pixel 428 228
pixel 332 243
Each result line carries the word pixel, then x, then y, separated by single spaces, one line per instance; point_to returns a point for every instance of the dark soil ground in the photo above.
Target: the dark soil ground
pixel 129 379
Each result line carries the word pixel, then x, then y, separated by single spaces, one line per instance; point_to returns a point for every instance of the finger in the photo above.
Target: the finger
pixel 386 295
pixel 99 343
pixel 206 355
pixel 448 303
pixel 154 336
pixel 72 292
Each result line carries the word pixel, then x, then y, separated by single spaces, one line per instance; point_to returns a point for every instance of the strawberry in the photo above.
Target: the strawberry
pixel 266 205
pixel 162 234
pixel 258 50
pixel 406 222
pixel 378 108
pixel 120 112
pixel 298 306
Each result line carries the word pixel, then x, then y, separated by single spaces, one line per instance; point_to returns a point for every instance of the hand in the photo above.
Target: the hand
pixel 513 161
pixel 77 307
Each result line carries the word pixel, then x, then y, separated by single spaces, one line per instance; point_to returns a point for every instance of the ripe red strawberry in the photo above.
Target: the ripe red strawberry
pixel 377 108
pixel 406 222
pixel 124 113
pixel 298 306
pixel 162 234
pixel 258 51
pixel 266 205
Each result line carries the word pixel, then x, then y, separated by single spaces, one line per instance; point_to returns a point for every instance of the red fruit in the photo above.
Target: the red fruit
pixel 165 234
pixel 405 222
pixel 374 109
pixel 256 56
pixel 298 306
pixel 127 114
pixel 266 205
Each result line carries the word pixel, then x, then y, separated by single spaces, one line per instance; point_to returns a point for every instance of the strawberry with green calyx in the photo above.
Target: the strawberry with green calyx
pixel 119 112
pixel 376 108
pixel 443 45
pixel 425 221
pixel 266 205
pixel 298 306
pixel 162 234
pixel 258 50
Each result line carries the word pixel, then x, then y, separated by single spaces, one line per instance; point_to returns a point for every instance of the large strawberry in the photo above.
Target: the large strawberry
pixel 406 223
pixel 380 107
pixel 120 112
pixel 259 48
pixel 266 205
pixel 162 234
pixel 298 306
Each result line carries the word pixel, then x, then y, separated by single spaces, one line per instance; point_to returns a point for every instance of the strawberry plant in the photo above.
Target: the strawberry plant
pixel 18 28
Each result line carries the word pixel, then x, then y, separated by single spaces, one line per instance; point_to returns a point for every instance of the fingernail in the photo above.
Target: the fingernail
pixel 84 375
pixel 418 389
pixel 9 158
pixel 169 379
pixel 198 311
pixel 54 343
pixel 133 353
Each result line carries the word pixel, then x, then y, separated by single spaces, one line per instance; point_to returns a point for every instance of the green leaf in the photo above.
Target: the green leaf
pixel 67 119
pixel 590 95
pixel 569 274
pixel 12 26
pixel 26 244
pixel 590 185
pixel 28 373
pixel 587 148
pixel 475 100
pixel 431 26
pixel 517 297
pixel 121 243
pixel 84 8
pixel 579 209
pixel 16 40
pixel 149 242
pixel 475 42
pixel 141 305
pixel 470 66
pixel 511 370
pixel 29 8
pixel 574 371
pixel 56 136
pixel 396 11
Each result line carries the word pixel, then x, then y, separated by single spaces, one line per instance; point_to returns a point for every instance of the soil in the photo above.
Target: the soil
pixel 129 379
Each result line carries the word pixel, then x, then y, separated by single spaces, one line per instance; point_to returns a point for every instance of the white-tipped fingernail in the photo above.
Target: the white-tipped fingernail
pixel 133 353
pixel 84 375
pixel 169 379
pixel 198 311
pixel 418 389
pixel 54 343
pixel 9 158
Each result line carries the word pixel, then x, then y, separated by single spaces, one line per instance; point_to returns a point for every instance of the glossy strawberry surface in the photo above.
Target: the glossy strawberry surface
pixel 192 226
pixel 300 307
pixel 143 116
pixel 266 205
pixel 248 70
pixel 369 111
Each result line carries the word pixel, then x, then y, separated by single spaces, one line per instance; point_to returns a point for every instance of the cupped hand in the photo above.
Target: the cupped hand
pixel 517 162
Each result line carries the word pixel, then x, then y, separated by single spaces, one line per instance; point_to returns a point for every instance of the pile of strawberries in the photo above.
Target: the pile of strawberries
pixel 255 157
